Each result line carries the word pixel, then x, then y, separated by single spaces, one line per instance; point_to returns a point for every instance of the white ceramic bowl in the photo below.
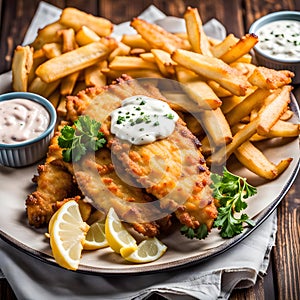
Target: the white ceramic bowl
pixel 28 152
pixel 269 61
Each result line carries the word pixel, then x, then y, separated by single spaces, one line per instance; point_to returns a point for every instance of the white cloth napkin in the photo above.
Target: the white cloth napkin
pixel 238 267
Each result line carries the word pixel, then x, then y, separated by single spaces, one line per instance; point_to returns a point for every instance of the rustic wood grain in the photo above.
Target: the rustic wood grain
pixel 283 274
pixel 286 255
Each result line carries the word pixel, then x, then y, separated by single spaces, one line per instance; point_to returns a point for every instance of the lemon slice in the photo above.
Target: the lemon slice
pixel 95 237
pixel 67 234
pixel 147 251
pixel 116 234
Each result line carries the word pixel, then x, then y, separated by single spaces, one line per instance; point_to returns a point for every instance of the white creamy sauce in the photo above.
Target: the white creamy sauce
pixel 22 120
pixel 142 120
pixel 280 39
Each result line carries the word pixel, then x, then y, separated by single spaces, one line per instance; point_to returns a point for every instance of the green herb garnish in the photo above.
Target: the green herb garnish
pixel 231 190
pixel 200 233
pixel 77 140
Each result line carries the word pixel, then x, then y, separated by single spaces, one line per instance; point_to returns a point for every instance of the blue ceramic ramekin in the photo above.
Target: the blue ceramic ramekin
pixel 28 152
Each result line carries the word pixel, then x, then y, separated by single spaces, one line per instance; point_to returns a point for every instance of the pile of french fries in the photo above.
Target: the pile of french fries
pixel 238 102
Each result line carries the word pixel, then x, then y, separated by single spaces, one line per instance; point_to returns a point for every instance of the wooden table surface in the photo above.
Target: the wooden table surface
pixel 282 279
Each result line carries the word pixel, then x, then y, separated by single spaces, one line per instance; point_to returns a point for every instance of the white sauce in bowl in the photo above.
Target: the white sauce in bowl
pixel 22 120
pixel 142 120
pixel 280 39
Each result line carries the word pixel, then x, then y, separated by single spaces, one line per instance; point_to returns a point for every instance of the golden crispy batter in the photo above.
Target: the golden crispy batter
pixel 98 180
pixel 174 171
pixel 54 184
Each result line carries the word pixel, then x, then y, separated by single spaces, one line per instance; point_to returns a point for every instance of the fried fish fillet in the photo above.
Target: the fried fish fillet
pixel 174 171
pixel 54 184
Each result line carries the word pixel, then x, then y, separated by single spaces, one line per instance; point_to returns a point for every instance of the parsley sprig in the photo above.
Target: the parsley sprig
pixel 200 233
pixel 80 138
pixel 231 191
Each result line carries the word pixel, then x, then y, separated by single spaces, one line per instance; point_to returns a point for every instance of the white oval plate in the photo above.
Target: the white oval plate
pixel 15 184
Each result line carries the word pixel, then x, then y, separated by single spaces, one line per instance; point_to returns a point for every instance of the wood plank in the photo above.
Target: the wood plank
pixel 286 253
pixel 255 9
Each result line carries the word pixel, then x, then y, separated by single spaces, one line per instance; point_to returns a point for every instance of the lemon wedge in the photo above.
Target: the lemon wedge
pixel 67 233
pixel 116 234
pixel 95 237
pixel 147 251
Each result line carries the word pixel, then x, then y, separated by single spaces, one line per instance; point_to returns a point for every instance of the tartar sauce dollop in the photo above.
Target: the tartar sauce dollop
pixel 142 120
pixel 22 120
pixel 280 39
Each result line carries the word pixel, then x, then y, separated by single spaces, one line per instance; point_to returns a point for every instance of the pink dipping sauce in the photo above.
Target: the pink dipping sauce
pixel 22 120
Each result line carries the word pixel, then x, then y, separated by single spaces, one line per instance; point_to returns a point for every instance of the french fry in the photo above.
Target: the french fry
pixel 74 18
pixel 280 129
pixel 242 47
pixel 21 66
pixel 52 50
pixel 229 102
pixel 68 39
pixel 266 78
pixel 254 160
pixel 80 86
pixel 195 32
pixel 68 83
pixel 47 34
pixel 121 50
pixel 272 112
pixel 94 76
pixel 202 94
pixel 38 86
pixel 283 165
pixel 246 58
pixel 197 89
pixel 136 51
pixel 193 124
pixel 238 139
pixel 245 68
pixel 135 41
pixel 164 62
pixel 131 63
pixel 185 75
pixel 148 56
pixel 207 147
pixel 213 68
pixel 216 127
pixel 38 58
pixel 179 102
pixel 287 115
pixel 61 108
pixel 244 108
pixel 221 48
pixel 218 89
pixel 157 37
pixel 86 35
pixel 134 73
pixel 54 98
pixel 73 61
